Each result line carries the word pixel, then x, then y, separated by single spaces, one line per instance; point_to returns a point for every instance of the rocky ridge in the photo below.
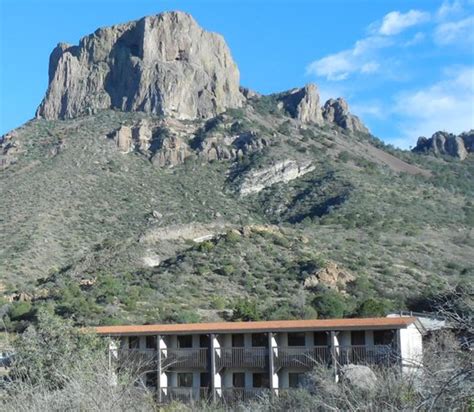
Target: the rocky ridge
pixel 444 143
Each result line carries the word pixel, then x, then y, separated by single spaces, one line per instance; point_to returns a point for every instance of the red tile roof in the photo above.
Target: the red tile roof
pixel 264 326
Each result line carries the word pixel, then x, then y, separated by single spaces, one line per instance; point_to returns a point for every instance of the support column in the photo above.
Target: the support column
pixel 212 366
pixel 158 368
pixel 273 377
pixel 334 353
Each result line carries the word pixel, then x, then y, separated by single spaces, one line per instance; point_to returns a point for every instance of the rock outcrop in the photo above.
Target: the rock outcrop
pixel 332 276
pixel 443 143
pixel 280 172
pixel 164 64
pixel 359 377
pixel 337 111
pixel 303 104
pixel 173 151
pixel 130 138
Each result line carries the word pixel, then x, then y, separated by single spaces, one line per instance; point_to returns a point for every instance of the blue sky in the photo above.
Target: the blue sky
pixel 405 67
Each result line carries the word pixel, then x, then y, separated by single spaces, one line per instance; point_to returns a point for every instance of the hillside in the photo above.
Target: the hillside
pixel 275 207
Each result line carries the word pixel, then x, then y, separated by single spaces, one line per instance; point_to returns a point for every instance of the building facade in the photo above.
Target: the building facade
pixel 236 361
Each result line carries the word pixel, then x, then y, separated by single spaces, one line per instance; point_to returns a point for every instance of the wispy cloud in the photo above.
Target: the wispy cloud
pixel 395 22
pixel 449 8
pixel 444 105
pixel 459 32
pixel 359 59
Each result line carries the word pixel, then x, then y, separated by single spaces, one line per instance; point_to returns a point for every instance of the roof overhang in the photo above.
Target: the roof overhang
pixel 259 327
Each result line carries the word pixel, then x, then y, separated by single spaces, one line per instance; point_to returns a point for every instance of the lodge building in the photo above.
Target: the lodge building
pixel 238 360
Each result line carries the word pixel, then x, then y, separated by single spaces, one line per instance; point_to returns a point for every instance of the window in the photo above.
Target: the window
pixel 133 342
pixel 204 341
pixel 238 380
pixel 185 380
pixel 151 342
pixel 238 341
pixel 205 380
pixel 383 337
pixel 185 341
pixel 296 339
pixel 151 379
pixel 259 339
pixel 321 339
pixel 358 337
pixel 295 380
pixel 260 380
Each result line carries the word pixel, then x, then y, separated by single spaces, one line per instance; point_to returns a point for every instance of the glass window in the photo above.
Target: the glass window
pixel 185 341
pixel 295 380
pixel 238 380
pixel 321 339
pixel 383 337
pixel 259 340
pixel 204 341
pixel 358 337
pixel 260 380
pixel 185 380
pixel 133 342
pixel 151 342
pixel 296 339
pixel 205 380
pixel 238 341
pixel 151 379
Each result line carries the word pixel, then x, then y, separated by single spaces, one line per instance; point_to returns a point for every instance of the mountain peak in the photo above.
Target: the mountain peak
pixel 164 64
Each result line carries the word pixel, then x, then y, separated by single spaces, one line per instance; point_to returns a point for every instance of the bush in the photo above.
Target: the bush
pixel 245 310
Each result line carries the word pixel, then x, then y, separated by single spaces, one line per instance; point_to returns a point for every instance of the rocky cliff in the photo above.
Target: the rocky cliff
pixel 444 143
pixel 337 111
pixel 164 64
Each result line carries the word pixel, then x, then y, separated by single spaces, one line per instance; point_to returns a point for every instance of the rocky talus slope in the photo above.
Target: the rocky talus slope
pixel 152 188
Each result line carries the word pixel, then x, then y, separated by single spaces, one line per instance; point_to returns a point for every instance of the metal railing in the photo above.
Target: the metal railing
pixel 184 358
pixel 138 357
pixel 305 357
pixel 365 355
pixel 258 357
pixel 242 357
pixel 184 394
pixel 236 395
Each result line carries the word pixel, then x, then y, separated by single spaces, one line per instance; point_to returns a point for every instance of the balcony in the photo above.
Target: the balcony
pixel 237 395
pixel 184 358
pixel 365 355
pixel 307 358
pixel 241 357
pixel 185 395
pixel 139 358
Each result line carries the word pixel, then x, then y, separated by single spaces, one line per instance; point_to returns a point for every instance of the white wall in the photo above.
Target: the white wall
pixel 411 348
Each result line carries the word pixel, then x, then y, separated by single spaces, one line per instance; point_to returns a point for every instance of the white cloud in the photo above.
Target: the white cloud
pixel 359 59
pixel 449 8
pixel 396 22
pixel 445 105
pixel 455 32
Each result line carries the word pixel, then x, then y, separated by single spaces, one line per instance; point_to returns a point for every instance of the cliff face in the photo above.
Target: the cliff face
pixel 164 64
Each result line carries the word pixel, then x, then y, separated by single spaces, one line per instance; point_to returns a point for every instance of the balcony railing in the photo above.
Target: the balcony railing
pixel 185 395
pixel 184 358
pixel 237 395
pixel 138 357
pixel 306 357
pixel 242 357
pixel 257 357
pixel 365 355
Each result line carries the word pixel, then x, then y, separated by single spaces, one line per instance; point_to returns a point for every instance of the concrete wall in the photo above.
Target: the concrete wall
pixel 411 348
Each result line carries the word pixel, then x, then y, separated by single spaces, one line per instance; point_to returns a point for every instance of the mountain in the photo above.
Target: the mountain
pixel 151 187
